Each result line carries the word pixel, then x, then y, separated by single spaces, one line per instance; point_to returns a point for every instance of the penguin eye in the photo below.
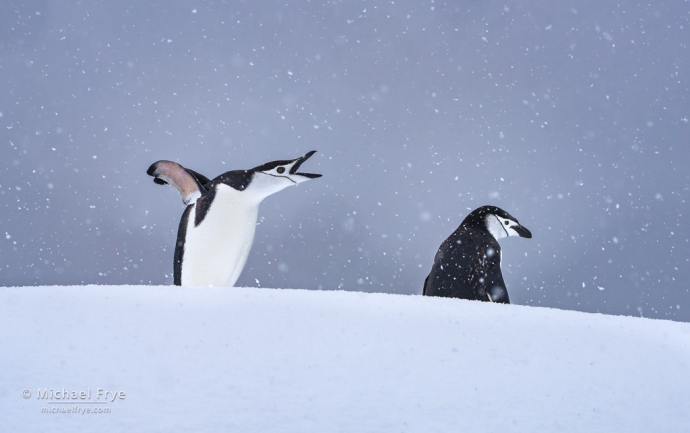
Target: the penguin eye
pixel 506 223
pixel 281 170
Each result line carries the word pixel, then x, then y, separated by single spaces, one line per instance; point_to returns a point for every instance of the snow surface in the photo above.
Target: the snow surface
pixel 263 360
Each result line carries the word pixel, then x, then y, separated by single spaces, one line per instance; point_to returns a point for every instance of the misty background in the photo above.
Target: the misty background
pixel 573 117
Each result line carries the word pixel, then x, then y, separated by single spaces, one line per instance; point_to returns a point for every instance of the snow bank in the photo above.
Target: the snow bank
pixel 262 360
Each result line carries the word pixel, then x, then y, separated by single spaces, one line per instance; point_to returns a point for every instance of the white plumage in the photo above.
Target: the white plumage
pixel 217 250
pixel 214 242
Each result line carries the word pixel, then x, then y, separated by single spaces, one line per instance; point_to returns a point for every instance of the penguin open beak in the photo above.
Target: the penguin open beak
pixel 523 232
pixel 299 162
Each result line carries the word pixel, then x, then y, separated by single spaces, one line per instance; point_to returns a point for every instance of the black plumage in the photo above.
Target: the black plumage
pixel 468 263
pixel 199 192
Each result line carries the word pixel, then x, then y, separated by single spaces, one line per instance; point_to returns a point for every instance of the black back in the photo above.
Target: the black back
pixel 238 179
pixel 468 263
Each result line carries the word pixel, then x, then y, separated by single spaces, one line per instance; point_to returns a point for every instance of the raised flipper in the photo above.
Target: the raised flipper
pixel 188 183
pixel 495 286
pixel 203 180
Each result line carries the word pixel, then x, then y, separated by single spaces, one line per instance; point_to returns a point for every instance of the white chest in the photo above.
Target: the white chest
pixel 216 251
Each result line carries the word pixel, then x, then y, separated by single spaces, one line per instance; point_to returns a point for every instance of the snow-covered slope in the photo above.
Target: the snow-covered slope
pixel 262 360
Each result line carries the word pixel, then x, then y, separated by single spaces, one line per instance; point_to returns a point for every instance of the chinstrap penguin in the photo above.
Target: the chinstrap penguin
pixel 468 263
pixel 217 228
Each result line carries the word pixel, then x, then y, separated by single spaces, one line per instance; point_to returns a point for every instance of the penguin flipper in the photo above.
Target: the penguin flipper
pixel 499 295
pixel 203 180
pixel 495 286
pixel 426 280
pixel 185 181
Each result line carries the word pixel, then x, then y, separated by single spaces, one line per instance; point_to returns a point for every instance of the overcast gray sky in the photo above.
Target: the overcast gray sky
pixel 572 116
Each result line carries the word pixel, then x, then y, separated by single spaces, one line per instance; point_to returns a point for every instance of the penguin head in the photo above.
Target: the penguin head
pixel 496 221
pixel 274 176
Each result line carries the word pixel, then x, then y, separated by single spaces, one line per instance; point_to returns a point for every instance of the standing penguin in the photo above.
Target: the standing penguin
pixel 217 228
pixel 468 263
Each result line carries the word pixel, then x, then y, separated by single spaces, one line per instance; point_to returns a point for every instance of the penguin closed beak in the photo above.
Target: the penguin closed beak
pixel 299 162
pixel 523 232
